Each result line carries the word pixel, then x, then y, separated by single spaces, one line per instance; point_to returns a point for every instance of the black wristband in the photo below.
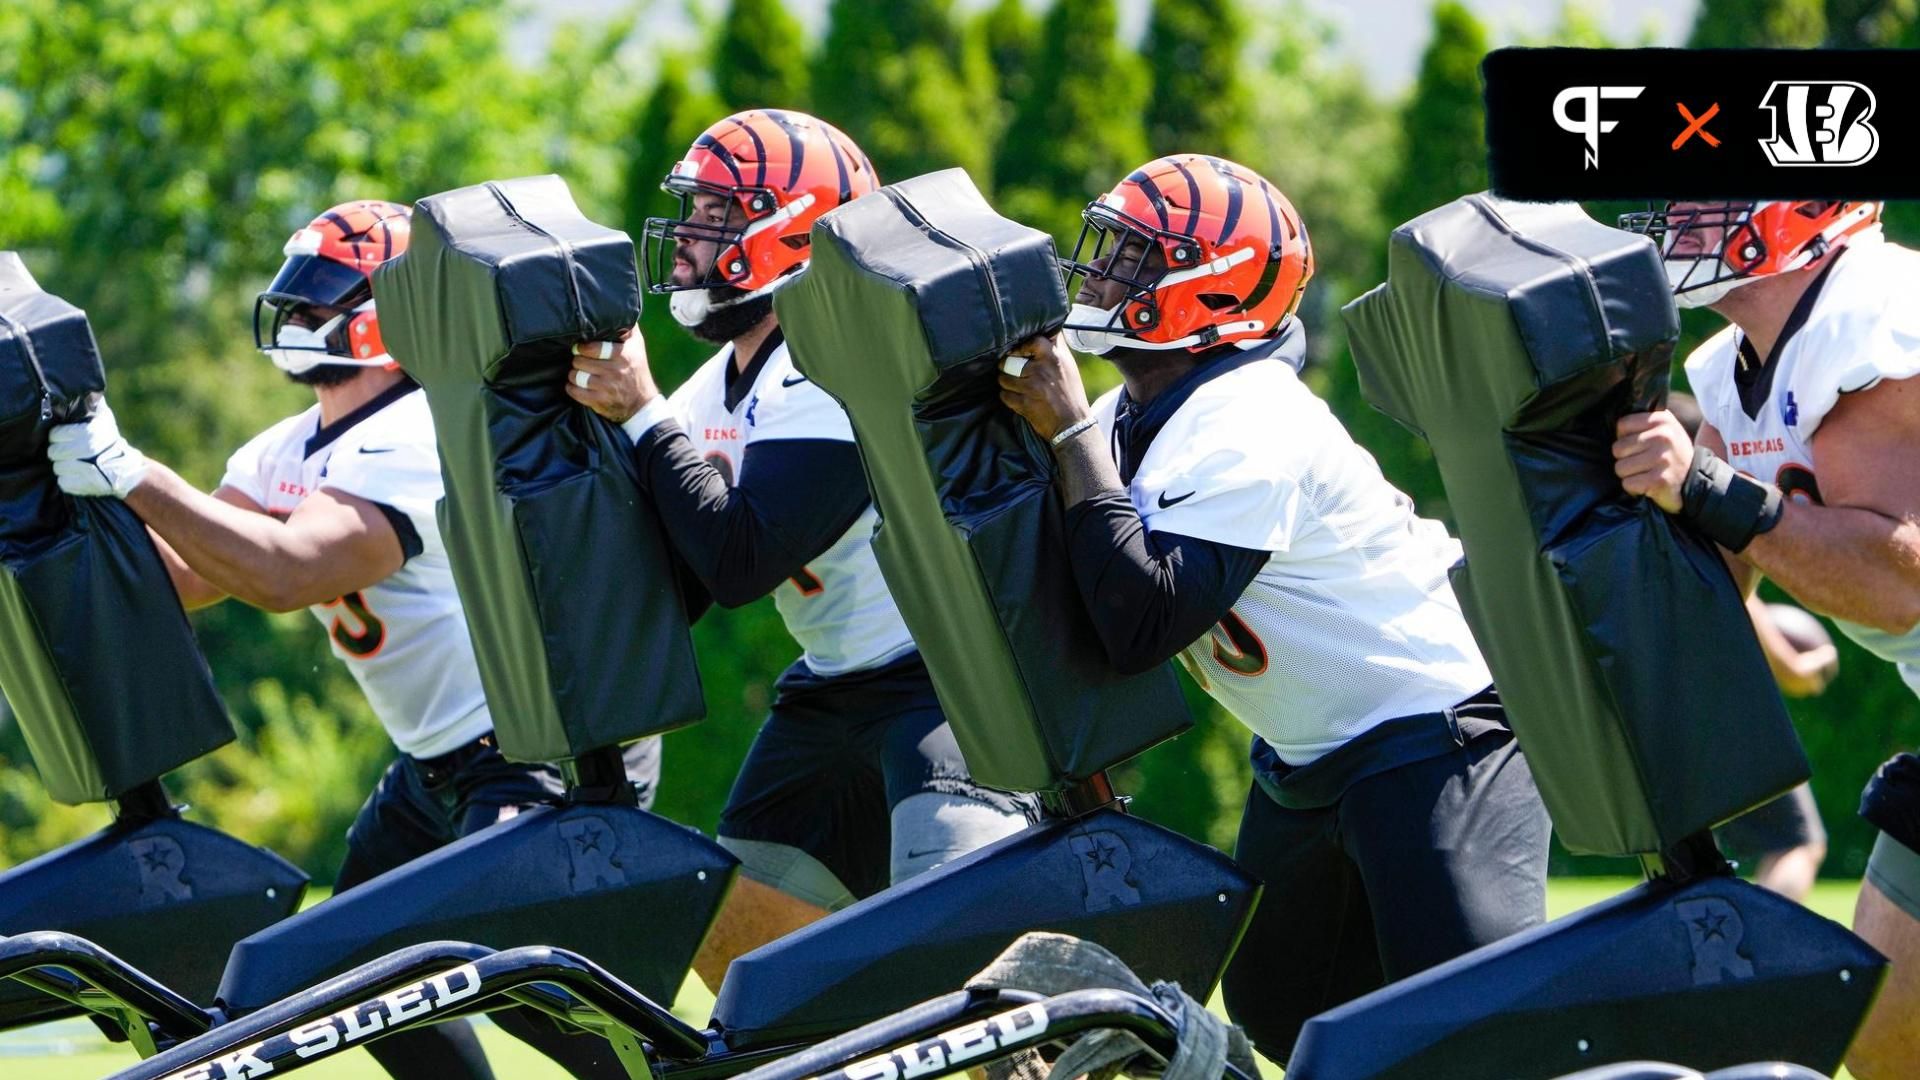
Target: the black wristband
pixel 1728 507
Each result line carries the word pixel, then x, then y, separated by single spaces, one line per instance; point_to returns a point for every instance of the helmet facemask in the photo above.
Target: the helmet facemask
pixel 1124 250
pixel 1708 250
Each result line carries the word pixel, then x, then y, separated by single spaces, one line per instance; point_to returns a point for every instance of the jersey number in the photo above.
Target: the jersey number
pixel 1236 647
pixel 355 629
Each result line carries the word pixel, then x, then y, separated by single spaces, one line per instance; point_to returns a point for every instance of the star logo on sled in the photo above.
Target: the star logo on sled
pixel 1100 855
pixel 1711 926
pixel 587 839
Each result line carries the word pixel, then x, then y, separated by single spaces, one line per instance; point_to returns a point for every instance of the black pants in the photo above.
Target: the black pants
pixel 419 806
pixel 836 754
pixel 1391 860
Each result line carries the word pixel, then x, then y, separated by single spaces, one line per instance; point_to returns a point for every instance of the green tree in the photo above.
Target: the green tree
pixel 1755 24
pixel 759 58
pixel 1078 131
pixel 902 79
pixel 1194 50
pixel 1006 33
pixel 1443 124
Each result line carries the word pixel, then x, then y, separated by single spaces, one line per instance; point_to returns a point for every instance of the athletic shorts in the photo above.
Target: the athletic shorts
pixel 836 755
pixel 1774 827
pixel 1418 841
pixel 1892 803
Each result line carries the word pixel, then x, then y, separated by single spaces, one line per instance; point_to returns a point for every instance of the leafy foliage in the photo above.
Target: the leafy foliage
pixel 760 58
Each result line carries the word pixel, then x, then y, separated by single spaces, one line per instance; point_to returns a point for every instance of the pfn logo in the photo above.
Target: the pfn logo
pixel 1588 124
pixel 1820 123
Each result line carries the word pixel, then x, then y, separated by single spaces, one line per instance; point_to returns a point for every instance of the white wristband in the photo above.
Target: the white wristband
pixel 1071 430
pixel 656 412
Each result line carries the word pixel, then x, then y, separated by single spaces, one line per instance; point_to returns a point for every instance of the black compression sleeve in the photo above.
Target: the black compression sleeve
pixel 799 496
pixel 1150 594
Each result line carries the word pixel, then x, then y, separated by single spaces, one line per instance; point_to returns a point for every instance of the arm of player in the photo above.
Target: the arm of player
pixel 795 499
pixel 1149 594
pixel 1855 558
pixel 195 591
pixel 333 544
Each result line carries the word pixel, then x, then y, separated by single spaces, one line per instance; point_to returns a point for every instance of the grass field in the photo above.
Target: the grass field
pixel 74 1051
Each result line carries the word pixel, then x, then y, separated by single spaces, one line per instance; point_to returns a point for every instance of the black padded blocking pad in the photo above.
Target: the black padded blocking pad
pixel 630 889
pixel 1170 908
pixel 167 896
pixel 81 586
pixel 577 620
pixel 1716 974
pixel 913 296
pixel 1512 336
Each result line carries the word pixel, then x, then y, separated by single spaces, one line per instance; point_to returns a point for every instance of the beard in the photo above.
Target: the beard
pixel 719 314
pixel 326 374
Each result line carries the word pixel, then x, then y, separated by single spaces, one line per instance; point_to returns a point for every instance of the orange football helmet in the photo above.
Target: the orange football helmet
pixel 319 307
pixel 784 169
pixel 1234 258
pixel 1710 249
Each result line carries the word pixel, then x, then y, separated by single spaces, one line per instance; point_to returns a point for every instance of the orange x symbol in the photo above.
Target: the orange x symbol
pixel 1697 125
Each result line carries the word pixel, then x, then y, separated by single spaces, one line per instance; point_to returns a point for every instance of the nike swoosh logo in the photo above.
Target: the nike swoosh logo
pixel 793 380
pixel 381 450
pixel 1166 502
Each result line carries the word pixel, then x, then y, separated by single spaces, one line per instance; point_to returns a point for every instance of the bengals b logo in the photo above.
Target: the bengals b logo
pixel 1820 123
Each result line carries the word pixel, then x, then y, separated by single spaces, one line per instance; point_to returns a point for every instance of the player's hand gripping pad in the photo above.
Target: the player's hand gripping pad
pixel 96 656
pixel 577 619
pixel 913 296
pixel 1512 337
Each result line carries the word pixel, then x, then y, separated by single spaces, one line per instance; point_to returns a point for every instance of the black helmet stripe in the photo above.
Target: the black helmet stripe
pixel 712 144
pixel 1262 287
pixel 1233 198
pixel 347 231
pixel 1193 199
pixel 796 148
pixel 1146 184
pixel 840 162
pixel 1273 214
pixel 759 149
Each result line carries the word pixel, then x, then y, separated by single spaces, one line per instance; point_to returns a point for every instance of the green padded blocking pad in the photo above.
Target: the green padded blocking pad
pixel 82 588
pixel 912 296
pixel 578 623
pixel 1512 336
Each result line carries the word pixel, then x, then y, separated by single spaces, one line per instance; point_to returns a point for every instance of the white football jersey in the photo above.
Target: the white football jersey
pixel 838 607
pixel 1861 327
pixel 1352 621
pixel 405 639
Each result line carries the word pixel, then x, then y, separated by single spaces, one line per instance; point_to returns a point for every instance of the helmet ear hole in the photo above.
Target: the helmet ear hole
pixel 797 243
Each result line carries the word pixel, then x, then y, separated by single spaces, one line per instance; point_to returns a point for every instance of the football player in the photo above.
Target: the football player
pixel 332 510
pixel 854 781
pixel 1217 512
pixel 1799 474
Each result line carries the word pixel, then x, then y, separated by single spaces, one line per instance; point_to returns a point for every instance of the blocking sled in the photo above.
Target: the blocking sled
pixel 913 296
pixel 80 580
pixel 577 620
pixel 560 561
pixel 1511 337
